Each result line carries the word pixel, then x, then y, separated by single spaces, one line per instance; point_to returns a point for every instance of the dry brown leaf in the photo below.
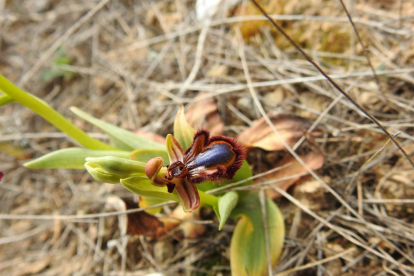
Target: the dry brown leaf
pixel 313 160
pixel 142 223
pixel 204 114
pixel 290 127
pixel 138 223
pixel 190 230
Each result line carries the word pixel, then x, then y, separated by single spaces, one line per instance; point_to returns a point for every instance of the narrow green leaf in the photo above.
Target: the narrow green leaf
pixel 141 185
pixel 42 109
pixel 126 139
pixel 183 132
pixel 226 204
pixel 71 158
pixel 248 255
pixel 5 99
pixel 144 155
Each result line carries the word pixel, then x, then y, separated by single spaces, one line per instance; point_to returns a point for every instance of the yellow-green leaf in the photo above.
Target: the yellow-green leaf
pixel 70 158
pixel 226 204
pixel 5 99
pixel 248 255
pixel 150 201
pixel 123 138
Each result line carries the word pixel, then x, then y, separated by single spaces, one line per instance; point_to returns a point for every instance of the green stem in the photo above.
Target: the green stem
pixel 208 199
pixel 48 113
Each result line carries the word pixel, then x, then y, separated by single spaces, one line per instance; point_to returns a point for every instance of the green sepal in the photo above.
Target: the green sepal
pixel 122 138
pixel 144 155
pixel 70 158
pixel 248 255
pixel 142 186
pixel 183 132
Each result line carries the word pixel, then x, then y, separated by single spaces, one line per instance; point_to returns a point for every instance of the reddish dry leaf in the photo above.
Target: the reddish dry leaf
pixel 138 223
pixel 290 127
pixel 142 223
pixel 204 114
pixel 313 160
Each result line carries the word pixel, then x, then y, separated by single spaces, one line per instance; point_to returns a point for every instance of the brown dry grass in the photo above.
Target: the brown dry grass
pixel 135 61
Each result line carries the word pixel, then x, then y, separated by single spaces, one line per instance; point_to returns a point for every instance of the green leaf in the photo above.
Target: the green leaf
pixel 141 185
pixel 226 204
pixel 70 158
pixel 5 99
pixel 248 255
pixel 42 109
pixel 144 155
pixel 183 132
pixel 124 138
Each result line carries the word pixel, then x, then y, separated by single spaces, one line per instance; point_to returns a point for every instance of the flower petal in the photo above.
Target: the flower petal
pixel 174 150
pixel 188 193
pixel 219 159
pixel 199 143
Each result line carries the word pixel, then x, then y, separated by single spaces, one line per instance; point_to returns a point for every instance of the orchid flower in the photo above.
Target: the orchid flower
pixel 208 158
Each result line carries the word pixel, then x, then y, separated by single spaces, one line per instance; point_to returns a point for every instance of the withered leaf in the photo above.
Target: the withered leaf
pixel 190 230
pixel 290 127
pixel 142 223
pixel 204 114
pixel 313 160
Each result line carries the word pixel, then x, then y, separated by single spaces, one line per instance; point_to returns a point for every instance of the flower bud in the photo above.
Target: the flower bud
pixel 117 166
pixel 100 175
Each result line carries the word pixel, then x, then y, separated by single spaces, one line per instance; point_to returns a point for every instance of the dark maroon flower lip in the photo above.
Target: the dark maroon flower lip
pixel 208 158
pixel 213 158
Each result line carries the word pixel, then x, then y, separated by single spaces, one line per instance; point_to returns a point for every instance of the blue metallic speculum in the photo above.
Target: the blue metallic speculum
pixel 219 153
